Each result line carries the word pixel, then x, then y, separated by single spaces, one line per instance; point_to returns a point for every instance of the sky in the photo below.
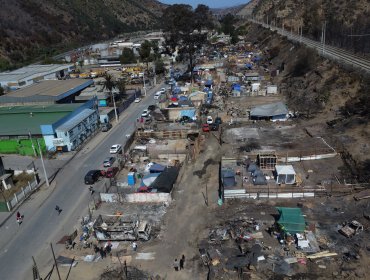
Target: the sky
pixel 209 3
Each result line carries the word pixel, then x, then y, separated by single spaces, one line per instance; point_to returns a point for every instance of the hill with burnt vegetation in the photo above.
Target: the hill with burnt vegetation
pixel 34 29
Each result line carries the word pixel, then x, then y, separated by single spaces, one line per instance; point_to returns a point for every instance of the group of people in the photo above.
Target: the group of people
pixel 179 264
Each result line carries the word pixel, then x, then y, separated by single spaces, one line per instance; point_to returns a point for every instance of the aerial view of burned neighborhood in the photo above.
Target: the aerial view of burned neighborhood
pixel 184 140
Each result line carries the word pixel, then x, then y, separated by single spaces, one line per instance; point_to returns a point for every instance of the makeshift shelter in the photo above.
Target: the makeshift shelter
pixel 291 220
pixel 228 178
pixel 285 174
pixel 156 168
pixel 149 179
pixel 259 180
pixel 274 111
pixel 165 181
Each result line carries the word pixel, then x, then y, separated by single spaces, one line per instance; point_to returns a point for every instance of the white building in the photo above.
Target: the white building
pixel 33 73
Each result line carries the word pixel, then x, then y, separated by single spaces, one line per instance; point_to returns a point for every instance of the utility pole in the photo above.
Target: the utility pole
pixel 36 274
pixel 115 108
pixel 144 83
pixel 323 38
pixel 33 146
pixel 55 261
pixel 43 165
pixel 155 76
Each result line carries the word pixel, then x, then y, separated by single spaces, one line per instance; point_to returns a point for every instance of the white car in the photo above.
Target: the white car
pixel 115 149
pixel 209 120
pixel 157 95
pixel 145 113
pixel 137 100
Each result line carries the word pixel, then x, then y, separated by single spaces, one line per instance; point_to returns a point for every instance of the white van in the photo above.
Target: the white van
pixel 157 95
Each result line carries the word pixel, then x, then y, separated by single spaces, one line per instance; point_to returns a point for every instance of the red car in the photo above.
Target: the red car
pixel 110 172
pixel 205 127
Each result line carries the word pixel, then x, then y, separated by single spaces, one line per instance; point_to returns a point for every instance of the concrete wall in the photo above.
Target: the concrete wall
pixel 148 197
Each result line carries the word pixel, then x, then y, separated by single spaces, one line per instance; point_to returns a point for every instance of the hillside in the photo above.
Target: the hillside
pixel 32 29
pixel 346 21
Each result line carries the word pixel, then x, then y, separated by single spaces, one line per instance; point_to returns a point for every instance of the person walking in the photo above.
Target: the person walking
pixel 182 262
pixel 58 209
pixel 176 265
pixel 19 218
pixel 134 246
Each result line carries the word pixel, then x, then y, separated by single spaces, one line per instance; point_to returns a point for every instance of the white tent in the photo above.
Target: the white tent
pixel 285 174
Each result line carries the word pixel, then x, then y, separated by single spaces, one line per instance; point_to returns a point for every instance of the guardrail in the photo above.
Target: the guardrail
pixel 333 53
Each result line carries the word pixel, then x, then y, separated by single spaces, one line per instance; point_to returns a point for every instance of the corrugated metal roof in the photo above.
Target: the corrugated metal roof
pixel 32 70
pixel 20 120
pixel 75 120
pixel 269 110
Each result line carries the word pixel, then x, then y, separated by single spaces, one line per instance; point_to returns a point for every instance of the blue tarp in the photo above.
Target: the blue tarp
pixel 183 98
pixel 208 83
pixel 155 168
pixel 187 113
pixel 248 66
pixel 236 87
pixel 149 179
pixel 176 90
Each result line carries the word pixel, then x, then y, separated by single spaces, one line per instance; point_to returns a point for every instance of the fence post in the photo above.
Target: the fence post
pixel 29 185
pixel 24 193
pixel 16 198
pixel 9 206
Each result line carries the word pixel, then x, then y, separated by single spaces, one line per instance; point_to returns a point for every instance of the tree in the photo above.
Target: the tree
pixel 110 84
pixel 127 56
pixel 121 86
pixel 159 66
pixel 227 24
pixel 182 29
pixel 145 52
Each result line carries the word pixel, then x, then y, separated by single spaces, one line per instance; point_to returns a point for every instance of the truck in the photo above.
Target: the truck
pixel 351 229
pixel 115 228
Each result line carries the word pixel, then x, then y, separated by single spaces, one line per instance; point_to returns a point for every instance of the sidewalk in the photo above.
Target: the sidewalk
pixel 55 165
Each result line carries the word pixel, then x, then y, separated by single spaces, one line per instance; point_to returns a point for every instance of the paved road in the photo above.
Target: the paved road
pixel 42 224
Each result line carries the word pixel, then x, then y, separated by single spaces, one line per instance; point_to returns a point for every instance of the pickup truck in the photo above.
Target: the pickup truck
pixel 351 229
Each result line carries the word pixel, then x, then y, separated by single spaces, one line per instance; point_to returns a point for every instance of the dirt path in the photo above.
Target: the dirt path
pixel 186 220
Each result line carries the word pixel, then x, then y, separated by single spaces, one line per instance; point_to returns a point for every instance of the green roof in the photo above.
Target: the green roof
pixel 20 120
pixel 291 220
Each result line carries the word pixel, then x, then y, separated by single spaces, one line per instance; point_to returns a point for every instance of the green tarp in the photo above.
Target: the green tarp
pixel 291 220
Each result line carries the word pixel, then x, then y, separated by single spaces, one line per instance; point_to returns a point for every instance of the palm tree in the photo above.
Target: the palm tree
pixel 110 84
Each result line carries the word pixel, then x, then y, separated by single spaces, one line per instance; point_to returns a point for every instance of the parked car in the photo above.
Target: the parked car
pixel 137 100
pixel 209 119
pixel 108 162
pixel 205 127
pixel 214 126
pixel 110 172
pixel 151 107
pixel 157 95
pixel 105 127
pixel 115 149
pixel 218 120
pixel 145 113
pixel 92 176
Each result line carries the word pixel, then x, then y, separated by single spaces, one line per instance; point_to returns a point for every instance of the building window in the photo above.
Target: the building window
pixel 79 127
pixel 70 132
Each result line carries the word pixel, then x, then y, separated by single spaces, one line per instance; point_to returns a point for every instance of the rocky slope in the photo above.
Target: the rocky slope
pixel 347 22
pixel 31 29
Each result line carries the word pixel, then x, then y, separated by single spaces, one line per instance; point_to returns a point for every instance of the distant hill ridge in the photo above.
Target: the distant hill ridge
pixel 32 28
